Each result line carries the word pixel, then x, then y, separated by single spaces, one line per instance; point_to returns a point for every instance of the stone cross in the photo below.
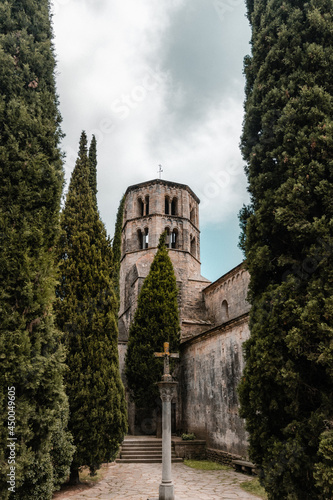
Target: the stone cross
pixel 167 391
pixel 166 355
pixel 160 170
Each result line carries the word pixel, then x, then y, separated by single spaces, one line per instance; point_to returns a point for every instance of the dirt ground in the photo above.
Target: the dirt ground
pixel 69 490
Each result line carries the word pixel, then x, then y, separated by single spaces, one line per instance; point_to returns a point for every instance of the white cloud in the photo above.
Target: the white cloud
pixel 208 159
pixel 111 82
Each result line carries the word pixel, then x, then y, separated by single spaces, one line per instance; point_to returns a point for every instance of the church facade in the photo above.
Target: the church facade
pixel 213 316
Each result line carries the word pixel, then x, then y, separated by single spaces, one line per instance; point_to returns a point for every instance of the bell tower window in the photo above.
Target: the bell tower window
pixel 140 238
pixel 171 238
pixel 167 205
pixel 143 206
pixel 140 207
pixel 174 239
pixel 146 238
pixel 174 206
pixel 193 246
pixel 147 205
pixel 167 237
pixel 192 214
pixel 143 237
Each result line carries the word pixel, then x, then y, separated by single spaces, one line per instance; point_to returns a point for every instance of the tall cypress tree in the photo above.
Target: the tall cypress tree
pixel 286 393
pixel 156 320
pixel 31 178
pixel 86 312
pixel 116 246
pixel 93 167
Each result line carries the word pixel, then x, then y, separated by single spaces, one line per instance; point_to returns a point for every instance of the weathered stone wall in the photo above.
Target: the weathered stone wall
pixel 213 316
pixel 132 276
pixel 145 209
pixel 221 457
pixel 192 310
pixel 122 348
pixel 191 450
pixel 150 208
pixel 225 299
pixel 211 367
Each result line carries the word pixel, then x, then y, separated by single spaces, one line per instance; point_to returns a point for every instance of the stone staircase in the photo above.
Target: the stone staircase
pixel 148 450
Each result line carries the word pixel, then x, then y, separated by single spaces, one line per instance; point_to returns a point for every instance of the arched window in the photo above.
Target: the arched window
pixel 225 312
pixel 167 205
pixel 140 207
pixel 147 205
pixel 192 214
pixel 167 237
pixel 140 238
pixel 146 238
pixel 174 206
pixel 193 246
pixel 174 239
pixel 143 238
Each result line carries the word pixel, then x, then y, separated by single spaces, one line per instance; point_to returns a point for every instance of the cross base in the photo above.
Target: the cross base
pixel 166 492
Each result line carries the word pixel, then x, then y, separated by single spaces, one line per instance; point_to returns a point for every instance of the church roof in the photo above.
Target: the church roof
pixel 164 183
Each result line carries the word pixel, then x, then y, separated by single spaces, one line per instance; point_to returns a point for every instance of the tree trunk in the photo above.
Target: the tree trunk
pixel 74 476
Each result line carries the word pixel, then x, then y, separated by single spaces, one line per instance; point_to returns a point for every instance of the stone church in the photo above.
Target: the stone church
pixel 213 316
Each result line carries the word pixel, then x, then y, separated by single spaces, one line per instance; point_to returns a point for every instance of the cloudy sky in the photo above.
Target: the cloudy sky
pixel 159 82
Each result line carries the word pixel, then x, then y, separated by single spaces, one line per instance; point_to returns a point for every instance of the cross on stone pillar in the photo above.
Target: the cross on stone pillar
pixel 166 355
pixel 167 391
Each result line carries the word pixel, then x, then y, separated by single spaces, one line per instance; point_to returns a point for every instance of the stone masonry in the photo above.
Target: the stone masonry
pixel 214 316
pixel 151 208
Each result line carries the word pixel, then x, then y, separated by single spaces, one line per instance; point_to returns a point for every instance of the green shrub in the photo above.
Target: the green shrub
pixel 323 473
pixel 188 437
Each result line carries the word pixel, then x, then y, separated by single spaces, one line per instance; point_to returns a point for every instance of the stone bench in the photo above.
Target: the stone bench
pixel 244 466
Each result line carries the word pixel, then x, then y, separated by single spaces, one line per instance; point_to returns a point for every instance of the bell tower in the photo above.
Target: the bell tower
pixel 151 208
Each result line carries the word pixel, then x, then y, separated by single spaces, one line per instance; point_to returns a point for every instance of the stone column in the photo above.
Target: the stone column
pixel 167 392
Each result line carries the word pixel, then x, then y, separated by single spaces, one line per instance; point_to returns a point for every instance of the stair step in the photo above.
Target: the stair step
pixel 148 455
pixel 143 451
pixel 145 460
pixel 156 447
pixel 130 454
pixel 140 452
pixel 144 448
pixel 143 445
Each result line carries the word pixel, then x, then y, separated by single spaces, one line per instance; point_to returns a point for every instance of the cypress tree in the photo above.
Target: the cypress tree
pixel 93 167
pixel 116 245
pixel 31 179
pixel 156 320
pixel 286 393
pixel 86 313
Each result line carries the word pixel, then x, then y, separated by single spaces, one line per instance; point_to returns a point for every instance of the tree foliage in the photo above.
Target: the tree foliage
pixel 156 321
pixel 93 168
pixel 116 246
pixel 31 179
pixel 86 312
pixel 286 393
